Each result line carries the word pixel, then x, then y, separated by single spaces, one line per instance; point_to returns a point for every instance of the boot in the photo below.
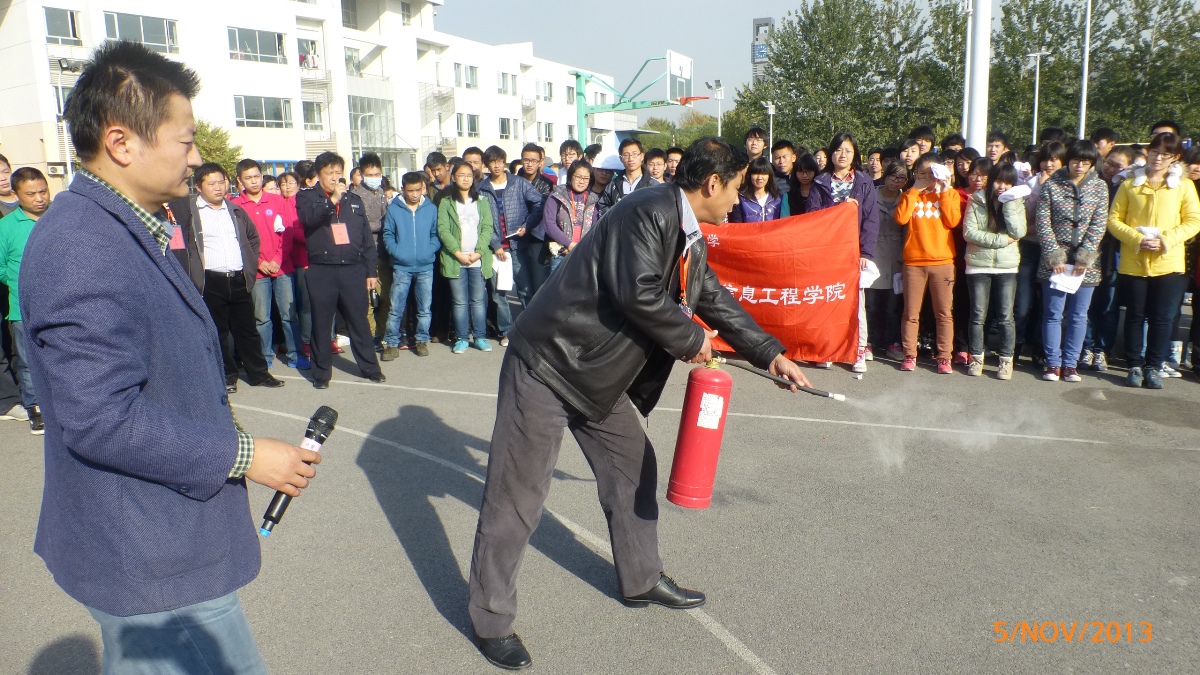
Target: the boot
pixel 1006 368
pixel 975 366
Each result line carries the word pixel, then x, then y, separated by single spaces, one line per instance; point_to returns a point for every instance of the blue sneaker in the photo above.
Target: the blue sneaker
pixel 460 347
pixel 300 363
pixel 483 345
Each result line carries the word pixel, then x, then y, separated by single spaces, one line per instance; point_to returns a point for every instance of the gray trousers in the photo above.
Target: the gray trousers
pixel 530 419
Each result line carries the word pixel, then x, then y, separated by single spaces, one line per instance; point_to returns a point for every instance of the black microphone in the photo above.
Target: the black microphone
pixel 319 428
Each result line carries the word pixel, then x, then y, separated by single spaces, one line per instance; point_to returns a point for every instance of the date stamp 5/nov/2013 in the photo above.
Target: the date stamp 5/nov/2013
pixel 1074 631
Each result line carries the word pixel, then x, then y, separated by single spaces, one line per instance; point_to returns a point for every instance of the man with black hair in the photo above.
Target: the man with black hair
pixel 533 156
pixel 342 262
pixel 923 135
pixel 1165 125
pixel 673 156
pixel 437 167
pixel 370 191
pixel 276 283
pixel 591 152
pixel 783 158
pixel 592 353
pixel 656 164
pixel 33 198
pixel 474 156
pixel 997 145
pixel 218 244
pixel 1051 134
pixel 632 152
pixel 954 142
pixel 517 217
pixel 569 152
pixel 145 516
pixel 756 142
pixel 1104 138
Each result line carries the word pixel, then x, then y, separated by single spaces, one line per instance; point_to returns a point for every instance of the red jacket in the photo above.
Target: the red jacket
pixel 295 248
pixel 264 213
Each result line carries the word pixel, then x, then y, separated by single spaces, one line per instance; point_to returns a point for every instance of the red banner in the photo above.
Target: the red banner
pixel 798 278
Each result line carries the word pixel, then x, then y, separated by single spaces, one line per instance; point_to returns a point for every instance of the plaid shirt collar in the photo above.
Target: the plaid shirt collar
pixel 153 222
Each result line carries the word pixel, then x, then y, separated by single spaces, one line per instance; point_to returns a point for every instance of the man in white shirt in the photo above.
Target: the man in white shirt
pixel 218 244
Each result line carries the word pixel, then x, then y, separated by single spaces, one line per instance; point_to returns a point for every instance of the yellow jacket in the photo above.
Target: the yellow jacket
pixel 1173 208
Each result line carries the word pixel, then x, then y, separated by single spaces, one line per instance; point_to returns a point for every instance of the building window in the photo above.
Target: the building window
pixel 406 13
pixel 506 129
pixel 545 132
pixel 353 66
pixel 309 58
pixel 458 74
pixel 548 95
pixel 600 98
pixel 263 111
pixel 570 131
pixel 570 95
pixel 376 131
pixel 473 126
pixel 514 84
pixel 61 92
pixel 156 34
pixel 246 44
pixel 502 83
pixel 458 120
pixel 472 77
pixel 350 14
pixel 313 120
pixel 61 28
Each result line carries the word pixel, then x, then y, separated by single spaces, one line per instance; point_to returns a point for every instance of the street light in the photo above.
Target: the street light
pixel 719 94
pixel 361 117
pixel 1037 81
pixel 1087 48
pixel 770 106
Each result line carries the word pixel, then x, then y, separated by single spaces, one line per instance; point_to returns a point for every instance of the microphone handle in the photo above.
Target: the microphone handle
pixel 279 503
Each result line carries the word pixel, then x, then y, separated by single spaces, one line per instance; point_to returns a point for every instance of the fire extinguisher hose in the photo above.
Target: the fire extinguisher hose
pixel 780 380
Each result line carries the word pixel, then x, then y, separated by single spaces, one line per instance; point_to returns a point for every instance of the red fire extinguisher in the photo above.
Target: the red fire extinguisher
pixel 698 445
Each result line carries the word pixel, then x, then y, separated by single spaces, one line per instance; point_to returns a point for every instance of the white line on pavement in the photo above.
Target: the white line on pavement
pixel 788 418
pixel 596 543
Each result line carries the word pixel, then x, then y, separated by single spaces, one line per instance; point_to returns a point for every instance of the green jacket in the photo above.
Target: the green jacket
pixel 450 233
pixel 989 247
pixel 14 232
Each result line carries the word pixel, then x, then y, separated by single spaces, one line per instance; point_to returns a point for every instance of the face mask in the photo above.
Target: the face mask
pixel 373 182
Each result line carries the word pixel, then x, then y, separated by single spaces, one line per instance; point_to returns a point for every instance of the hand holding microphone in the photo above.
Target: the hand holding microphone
pixel 288 467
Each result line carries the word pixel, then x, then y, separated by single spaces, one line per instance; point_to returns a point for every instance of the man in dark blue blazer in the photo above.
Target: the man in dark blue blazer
pixel 145 518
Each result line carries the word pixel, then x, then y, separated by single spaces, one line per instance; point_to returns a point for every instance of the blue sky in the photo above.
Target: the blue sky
pixel 615 36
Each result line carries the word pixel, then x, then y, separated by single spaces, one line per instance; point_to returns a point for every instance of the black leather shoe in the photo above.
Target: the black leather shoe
pixel 506 652
pixel 668 594
pixel 231 385
pixel 271 382
pixel 320 384
pixel 377 378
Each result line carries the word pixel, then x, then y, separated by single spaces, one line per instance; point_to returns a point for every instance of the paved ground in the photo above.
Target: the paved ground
pixel 886 534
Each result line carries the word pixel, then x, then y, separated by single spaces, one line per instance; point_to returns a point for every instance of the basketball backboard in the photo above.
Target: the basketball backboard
pixel 679 77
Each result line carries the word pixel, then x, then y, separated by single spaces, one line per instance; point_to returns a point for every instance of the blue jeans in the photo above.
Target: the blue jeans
pixel 282 288
pixel 528 273
pixel 1064 322
pixel 422 285
pixel 207 637
pixel 469 284
pixel 1025 308
pixel 21 347
pixel 504 318
pixel 1104 316
pixel 996 292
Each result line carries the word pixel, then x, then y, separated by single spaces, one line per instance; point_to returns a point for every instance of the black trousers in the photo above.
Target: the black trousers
pixel 333 289
pixel 232 309
pixel 530 419
pixel 1151 300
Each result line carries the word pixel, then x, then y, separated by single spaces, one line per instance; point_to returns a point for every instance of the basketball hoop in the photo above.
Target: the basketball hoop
pixel 687 100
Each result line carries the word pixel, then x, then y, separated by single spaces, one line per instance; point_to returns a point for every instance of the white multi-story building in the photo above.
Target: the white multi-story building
pixel 292 78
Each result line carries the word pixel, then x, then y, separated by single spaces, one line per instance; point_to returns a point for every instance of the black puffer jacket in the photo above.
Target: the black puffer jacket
pixel 609 322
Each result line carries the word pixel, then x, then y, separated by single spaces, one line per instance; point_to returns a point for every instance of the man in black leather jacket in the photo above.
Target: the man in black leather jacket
pixel 593 349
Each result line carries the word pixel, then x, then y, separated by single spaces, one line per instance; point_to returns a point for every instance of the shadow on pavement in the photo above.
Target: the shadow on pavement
pixel 1158 407
pixel 406 486
pixel 71 655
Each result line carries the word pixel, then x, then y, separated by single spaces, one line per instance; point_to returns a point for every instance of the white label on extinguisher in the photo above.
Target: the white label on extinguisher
pixel 711 407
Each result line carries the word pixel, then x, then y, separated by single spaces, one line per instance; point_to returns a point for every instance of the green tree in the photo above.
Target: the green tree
pixel 213 144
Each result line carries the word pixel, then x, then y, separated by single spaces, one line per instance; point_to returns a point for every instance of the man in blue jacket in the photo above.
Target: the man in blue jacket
pixel 145 518
pixel 411 239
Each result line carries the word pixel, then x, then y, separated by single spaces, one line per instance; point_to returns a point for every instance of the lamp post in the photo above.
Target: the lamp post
pixel 1037 81
pixel 358 125
pixel 718 92
pixel 770 106
pixel 1087 48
